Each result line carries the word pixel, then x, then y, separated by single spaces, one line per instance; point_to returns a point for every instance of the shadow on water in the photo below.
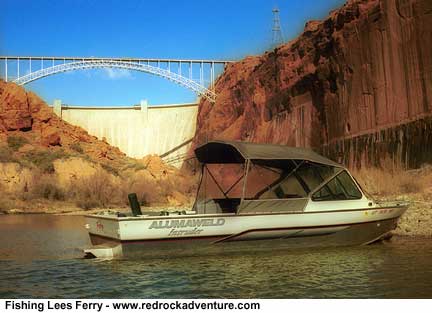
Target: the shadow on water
pixel 42 260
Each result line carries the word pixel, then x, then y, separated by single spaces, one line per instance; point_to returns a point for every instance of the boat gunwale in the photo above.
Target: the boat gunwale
pixel 395 205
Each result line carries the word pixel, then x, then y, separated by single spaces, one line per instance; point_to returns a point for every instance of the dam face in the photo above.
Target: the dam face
pixel 137 130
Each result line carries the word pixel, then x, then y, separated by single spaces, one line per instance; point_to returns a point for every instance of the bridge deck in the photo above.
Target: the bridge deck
pixel 133 59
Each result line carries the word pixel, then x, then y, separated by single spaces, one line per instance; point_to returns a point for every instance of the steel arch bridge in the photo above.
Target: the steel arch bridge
pixel 159 67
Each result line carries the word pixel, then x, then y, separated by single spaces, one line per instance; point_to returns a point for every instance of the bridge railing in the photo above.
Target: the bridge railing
pixel 189 71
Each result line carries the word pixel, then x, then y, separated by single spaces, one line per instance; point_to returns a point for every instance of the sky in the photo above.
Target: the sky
pixel 195 29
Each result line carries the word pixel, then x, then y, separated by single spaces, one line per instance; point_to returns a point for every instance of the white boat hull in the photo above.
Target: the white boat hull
pixel 296 229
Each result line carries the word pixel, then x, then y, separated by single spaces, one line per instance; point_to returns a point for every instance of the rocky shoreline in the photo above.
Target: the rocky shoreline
pixel 73 210
pixel 417 221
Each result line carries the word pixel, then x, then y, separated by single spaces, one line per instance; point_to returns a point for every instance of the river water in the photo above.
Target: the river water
pixel 41 257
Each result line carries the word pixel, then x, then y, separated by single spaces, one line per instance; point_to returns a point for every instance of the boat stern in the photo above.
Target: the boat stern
pixel 103 229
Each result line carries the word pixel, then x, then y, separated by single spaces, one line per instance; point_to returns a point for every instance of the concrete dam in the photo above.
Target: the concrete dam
pixel 165 130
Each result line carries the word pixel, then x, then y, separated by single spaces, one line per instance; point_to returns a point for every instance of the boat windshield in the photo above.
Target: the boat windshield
pixel 296 181
pixel 341 187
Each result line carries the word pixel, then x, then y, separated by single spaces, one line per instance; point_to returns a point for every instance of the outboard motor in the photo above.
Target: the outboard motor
pixel 134 204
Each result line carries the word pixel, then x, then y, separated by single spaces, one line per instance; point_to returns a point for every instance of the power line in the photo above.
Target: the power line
pixel 276 30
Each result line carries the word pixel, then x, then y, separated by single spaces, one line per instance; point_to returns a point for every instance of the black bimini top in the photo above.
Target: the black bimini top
pixel 220 152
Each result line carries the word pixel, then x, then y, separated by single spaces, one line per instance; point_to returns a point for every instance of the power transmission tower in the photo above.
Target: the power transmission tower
pixel 276 30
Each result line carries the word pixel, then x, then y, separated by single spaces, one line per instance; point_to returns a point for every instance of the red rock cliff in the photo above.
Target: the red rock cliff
pixel 24 113
pixel 356 86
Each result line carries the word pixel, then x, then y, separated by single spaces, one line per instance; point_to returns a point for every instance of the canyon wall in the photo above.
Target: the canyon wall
pixel 356 87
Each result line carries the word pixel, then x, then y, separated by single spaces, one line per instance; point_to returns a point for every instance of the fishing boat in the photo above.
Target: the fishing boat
pixel 253 193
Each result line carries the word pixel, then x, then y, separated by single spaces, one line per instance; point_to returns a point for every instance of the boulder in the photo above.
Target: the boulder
pixel 38 109
pixel 50 137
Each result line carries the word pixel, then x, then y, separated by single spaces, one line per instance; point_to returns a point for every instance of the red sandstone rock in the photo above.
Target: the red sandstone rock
pixel 2 86
pixel 21 110
pixel 50 137
pixel 14 112
pixel 39 110
pixel 365 68
pixel 16 119
pixel 156 167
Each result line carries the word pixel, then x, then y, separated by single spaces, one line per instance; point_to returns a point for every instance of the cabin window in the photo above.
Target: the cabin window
pixel 291 183
pixel 313 175
pixel 342 187
pixel 309 177
pixel 290 187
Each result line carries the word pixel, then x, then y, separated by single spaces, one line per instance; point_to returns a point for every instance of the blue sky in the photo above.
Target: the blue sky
pixel 201 29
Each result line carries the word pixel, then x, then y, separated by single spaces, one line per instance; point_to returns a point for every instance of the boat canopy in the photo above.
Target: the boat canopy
pixel 221 152
pixel 250 178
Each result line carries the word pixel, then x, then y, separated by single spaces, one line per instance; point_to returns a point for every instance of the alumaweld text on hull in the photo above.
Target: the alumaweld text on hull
pixel 252 193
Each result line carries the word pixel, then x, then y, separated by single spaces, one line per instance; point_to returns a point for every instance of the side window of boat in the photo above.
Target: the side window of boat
pixel 310 176
pixel 341 187
pixel 326 171
pixel 350 187
pixel 290 187
pixel 323 194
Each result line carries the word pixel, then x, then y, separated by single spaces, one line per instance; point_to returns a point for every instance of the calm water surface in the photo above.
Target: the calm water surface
pixel 40 257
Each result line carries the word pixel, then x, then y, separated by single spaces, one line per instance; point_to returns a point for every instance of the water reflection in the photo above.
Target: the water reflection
pixel 39 236
pixel 51 269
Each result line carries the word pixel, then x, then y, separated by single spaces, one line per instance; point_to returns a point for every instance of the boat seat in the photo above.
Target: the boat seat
pixel 215 206
pixel 228 205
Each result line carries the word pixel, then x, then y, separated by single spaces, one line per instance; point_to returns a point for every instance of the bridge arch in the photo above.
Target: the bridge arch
pixel 200 90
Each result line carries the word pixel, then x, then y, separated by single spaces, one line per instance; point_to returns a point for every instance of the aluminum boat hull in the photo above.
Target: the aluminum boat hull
pixel 182 234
